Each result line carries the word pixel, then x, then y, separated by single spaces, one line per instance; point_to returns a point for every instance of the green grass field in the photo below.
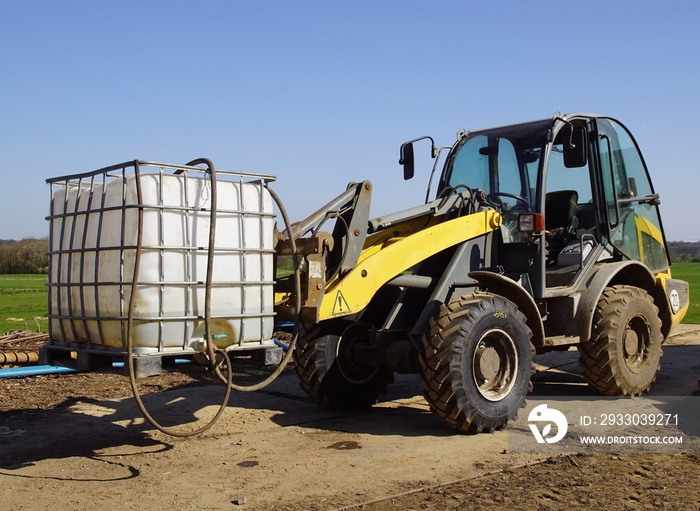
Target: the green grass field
pixel 690 272
pixel 24 297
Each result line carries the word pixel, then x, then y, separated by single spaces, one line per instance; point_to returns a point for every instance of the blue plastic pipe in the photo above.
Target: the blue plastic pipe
pixel 281 344
pixel 177 361
pixel 20 372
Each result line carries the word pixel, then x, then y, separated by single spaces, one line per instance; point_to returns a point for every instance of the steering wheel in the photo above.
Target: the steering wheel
pixel 491 196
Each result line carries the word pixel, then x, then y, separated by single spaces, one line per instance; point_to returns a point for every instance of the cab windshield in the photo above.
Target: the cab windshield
pixel 503 162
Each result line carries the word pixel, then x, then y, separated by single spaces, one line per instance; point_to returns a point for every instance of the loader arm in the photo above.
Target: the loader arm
pixel 390 256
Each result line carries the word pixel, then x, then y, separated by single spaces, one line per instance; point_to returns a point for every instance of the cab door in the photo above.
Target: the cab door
pixel 631 207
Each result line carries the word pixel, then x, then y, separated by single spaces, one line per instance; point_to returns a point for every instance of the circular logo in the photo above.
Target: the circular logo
pixel 548 416
pixel 675 299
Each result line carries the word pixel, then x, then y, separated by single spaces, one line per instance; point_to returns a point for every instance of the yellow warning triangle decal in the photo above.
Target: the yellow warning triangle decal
pixel 341 305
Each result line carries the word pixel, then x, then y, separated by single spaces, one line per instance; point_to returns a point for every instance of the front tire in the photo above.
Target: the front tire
pixel 327 372
pixel 622 357
pixel 477 363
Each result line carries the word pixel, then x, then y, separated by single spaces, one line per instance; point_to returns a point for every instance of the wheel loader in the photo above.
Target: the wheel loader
pixel 536 236
pixel 540 236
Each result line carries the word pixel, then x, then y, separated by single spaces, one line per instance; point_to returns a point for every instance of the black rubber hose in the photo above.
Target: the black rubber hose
pixel 210 256
pixel 211 352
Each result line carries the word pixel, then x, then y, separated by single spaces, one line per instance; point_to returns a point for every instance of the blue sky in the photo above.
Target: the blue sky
pixel 323 93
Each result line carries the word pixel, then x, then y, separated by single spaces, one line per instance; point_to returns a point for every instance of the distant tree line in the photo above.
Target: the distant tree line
pixel 684 251
pixel 24 256
pixel 29 255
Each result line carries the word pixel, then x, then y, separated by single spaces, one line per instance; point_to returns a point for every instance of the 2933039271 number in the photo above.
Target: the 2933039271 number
pixel 638 419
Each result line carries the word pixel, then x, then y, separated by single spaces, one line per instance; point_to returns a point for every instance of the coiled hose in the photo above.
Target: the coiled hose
pixel 211 351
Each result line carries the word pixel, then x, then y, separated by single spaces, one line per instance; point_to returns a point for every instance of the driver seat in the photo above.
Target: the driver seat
pixel 560 209
pixel 560 220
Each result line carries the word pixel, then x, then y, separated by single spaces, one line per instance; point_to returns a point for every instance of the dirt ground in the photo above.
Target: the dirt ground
pixel 79 440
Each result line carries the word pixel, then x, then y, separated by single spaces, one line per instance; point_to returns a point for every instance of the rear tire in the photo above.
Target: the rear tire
pixel 324 364
pixel 622 357
pixel 477 363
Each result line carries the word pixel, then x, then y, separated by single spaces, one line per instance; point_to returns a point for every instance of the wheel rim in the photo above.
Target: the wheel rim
pixel 636 344
pixel 349 341
pixel 495 364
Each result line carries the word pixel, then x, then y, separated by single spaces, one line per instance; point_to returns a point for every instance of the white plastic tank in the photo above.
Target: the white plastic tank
pixel 94 233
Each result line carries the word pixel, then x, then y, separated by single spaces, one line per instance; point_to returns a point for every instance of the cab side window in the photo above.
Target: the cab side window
pixel 632 208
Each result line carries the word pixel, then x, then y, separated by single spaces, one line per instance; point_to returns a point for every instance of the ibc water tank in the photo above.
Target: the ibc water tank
pixel 94 226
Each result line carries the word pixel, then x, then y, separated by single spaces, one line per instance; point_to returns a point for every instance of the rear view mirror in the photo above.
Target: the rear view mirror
pixel 575 144
pixel 406 159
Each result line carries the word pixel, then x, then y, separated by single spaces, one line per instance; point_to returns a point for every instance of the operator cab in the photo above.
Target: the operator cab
pixel 573 191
